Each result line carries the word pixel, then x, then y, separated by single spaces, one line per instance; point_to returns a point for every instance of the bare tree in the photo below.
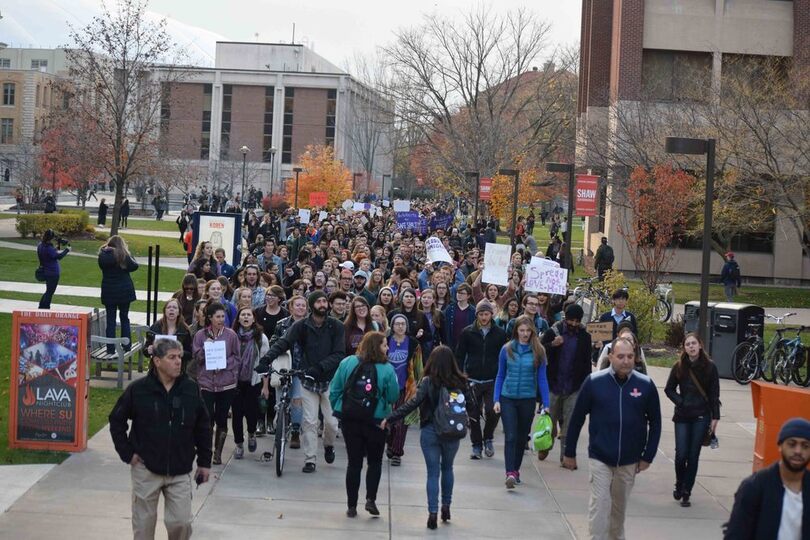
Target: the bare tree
pixel 112 62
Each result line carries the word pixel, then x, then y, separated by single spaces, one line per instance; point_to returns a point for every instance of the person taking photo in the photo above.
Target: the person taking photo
pixel 49 258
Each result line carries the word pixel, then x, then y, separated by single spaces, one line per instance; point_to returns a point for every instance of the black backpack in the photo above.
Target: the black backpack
pixel 360 394
pixel 735 272
pixel 450 414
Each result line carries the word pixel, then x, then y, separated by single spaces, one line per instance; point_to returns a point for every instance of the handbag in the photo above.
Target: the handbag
pixel 39 274
pixel 707 437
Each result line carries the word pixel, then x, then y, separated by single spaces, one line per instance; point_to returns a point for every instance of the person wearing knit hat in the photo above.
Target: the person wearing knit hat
pixel 387 299
pixel 405 356
pixel 484 305
pixel 313 297
pixel 775 502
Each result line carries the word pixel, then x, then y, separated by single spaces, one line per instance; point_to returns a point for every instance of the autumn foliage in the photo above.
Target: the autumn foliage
pixel 322 172
pixel 70 154
pixel 503 191
pixel 658 204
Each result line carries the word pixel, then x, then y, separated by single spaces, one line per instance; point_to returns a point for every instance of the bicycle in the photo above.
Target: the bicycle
pixel 789 359
pixel 751 359
pixel 587 291
pixel 283 414
pixel 665 303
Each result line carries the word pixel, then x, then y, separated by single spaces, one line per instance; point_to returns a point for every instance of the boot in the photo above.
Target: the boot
pixel 295 440
pixel 219 442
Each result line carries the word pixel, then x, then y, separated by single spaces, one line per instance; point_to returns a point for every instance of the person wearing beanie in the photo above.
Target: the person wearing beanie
pixel 774 502
pixel 568 345
pixel 405 356
pixel 477 355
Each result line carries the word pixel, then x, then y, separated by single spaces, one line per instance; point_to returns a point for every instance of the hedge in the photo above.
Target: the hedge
pixel 65 222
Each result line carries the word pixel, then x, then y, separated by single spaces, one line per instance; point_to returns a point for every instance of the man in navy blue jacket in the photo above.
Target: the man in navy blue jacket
pixel 624 430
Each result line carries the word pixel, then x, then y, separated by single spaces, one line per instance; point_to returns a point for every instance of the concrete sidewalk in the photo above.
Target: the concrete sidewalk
pixel 88 495
pixel 10 306
pixel 69 290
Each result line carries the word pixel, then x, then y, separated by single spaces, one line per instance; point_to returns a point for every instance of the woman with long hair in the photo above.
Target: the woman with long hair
pixel 213 292
pixel 172 324
pixel 243 296
pixel 365 438
pixel 624 330
pixel 694 387
pixel 253 345
pixel 205 250
pixel 510 311
pixel 49 259
pixel 434 318
pixel 443 298
pixel 358 322
pixel 379 316
pixel 203 269
pixel 217 382
pixel 117 289
pixel 405 356
pixel 387 300
pixel 441 371
pixel 521 374
pixel 187 296
pixel 227 289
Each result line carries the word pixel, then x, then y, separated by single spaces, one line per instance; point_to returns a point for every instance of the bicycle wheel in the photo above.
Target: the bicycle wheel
pixel 662 310
pixel 744 362
pixel 768 371
pixel 281 438
pixel 781 366
pixel 801 366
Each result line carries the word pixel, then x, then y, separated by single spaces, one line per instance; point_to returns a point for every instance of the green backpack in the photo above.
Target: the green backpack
pixel 541 433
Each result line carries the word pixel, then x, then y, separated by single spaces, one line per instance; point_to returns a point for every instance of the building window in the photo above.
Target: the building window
pixel 289 102
pixel 754 76
pixel 676 75
pixel 205 138
pixel 39 64
pixel 331 108
pixel 5 63
pixel 7 131
pixel 8 93
pixel 6 170
pixel 267 141
pixel 225 137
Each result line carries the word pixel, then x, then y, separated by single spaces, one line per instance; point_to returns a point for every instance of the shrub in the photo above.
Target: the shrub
pixel 69 224
pixel 641 302
pixel 675 332
pixel 83 214
pixel 101 235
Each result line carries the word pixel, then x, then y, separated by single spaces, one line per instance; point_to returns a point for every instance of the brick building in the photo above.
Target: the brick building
pixel 663 53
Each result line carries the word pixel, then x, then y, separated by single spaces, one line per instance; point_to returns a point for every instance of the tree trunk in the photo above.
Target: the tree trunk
pixel 119 198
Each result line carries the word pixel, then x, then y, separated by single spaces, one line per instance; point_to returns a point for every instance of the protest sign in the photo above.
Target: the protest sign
pixel 600 331
pixel 408 220
pixel 322 215
pixel 545 262
pixel 546 278
pixel 347 204
pixel 318 198
pixel 215 355
pixel 358 207
pixel 496 264
pixel 436 251
pixel 386 204
pixel 304 214
pixel 441 222
pixel 402 206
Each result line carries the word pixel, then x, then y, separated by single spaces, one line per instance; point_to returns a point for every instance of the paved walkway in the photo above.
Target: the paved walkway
pixel 10 306
pixel 69 290
pixel 88 495
pixel 802 316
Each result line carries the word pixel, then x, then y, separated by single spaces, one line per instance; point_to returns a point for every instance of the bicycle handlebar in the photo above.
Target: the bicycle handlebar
pixel 780 319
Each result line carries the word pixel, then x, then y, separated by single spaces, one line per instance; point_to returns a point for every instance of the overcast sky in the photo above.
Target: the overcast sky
pixel 337 30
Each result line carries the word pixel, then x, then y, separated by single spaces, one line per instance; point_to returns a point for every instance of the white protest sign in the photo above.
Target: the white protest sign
pixel 215 355
pixel 496 264
pixel 359 207
pixel 165 336
pixel 386 203
pixel 347 204
pixel 304 214
pixel 364 220
pixel 546 278
pixel 322 215
pixel 402 206
pixel 436 251
pixel 545 262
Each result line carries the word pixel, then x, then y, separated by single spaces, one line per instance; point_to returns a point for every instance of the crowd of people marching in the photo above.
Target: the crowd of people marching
pixel 355 301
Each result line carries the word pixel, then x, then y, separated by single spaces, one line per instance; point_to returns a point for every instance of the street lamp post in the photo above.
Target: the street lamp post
pixel 297 171
pixel 566 168
pixel 244 151
pixel 682 145
pixel 475 175
pixel 382 187
pixel 514 173
pixel 272 169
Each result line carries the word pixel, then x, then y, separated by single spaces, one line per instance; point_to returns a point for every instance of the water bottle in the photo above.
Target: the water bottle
pixel 713 442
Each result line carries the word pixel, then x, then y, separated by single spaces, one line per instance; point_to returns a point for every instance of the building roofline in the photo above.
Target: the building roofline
pixel 262 43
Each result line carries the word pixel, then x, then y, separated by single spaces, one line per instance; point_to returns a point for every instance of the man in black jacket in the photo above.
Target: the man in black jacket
pixel 477 353
pixel 775 502
pixel 170 424
pixel 320 338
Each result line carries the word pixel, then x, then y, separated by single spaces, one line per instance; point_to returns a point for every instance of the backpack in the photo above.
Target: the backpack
pixel 541 433
pixel 735 272
pixel 450 414
pixel 360 394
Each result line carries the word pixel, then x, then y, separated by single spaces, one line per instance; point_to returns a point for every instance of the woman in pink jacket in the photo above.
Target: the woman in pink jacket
pixel 217 379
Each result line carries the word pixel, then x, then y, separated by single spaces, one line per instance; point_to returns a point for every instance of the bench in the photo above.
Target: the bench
pixel 121 358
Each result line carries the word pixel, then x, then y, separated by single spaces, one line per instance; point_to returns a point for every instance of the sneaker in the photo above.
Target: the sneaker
pixel 517 477
pixel 396 461
pixel 251 444
pixel 329 454
pixel 239 453
pixel 489 448
pixel 476 453
pixel 295 440
pixel 351 511
pixel 261 430
pixel 371 508
pixel 308 468
pixel 510 481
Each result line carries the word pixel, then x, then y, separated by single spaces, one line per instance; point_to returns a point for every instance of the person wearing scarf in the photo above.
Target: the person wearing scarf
pixel 253 344
pixel 405 356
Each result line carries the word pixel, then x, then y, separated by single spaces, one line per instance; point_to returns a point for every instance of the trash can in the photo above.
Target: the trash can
pixel 773 405
pixel 691 318
pixel 731 325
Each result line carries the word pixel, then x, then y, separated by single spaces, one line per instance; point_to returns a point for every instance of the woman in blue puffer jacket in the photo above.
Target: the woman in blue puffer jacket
pixel 521 376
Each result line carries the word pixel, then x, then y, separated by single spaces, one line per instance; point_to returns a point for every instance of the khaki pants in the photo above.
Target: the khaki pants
pixel 146 489
pixel 610 489
pixel 560 410
pixel 311 402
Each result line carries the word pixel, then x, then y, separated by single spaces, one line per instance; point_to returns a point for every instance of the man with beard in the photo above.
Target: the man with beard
pixel 320 338
pixel 775 502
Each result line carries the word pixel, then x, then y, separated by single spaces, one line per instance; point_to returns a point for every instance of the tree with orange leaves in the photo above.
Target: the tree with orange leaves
pixel 322 172
pixel 503 193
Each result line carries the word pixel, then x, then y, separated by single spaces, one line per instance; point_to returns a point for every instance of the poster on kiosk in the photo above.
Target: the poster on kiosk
pixel 222 230
pixel 49 382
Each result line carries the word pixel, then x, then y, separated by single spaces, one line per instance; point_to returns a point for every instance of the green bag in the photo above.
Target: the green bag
pixel 541 433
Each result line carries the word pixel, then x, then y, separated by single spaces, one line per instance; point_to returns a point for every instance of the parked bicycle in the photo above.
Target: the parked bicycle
pixel 665 304
pixel 283 415
pixel 751 359
pixel 790 359
pixel 590 297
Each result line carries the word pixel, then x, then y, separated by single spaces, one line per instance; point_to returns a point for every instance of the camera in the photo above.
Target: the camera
pixel 62 241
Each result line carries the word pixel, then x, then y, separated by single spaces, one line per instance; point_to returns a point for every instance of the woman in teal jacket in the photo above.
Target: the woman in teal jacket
pixel 365 438
pixel 521 378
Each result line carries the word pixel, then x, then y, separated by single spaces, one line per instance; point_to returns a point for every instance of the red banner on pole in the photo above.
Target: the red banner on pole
pixel 587 186
pixel 318 198
pixel 485 189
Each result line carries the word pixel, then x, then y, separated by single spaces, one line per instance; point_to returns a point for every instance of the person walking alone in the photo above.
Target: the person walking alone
pixel 49 258
pixel 361 427
pixel 102 212
pixel 161 444
pixel 117 289
pixel 730 277
pixel 694 387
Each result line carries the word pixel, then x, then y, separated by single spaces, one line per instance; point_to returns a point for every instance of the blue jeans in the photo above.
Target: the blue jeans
pixel 517 416
pixel 296 410
pixel 688 441
pixel 439 455
pixel 123 309
pixel 50 288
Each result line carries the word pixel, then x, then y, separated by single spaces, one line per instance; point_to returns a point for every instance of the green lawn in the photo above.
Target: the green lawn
pixel 167 225
pixel 19 265
pixel 792 297
pixel 101 403
pixel 138 245
pixel 138 305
